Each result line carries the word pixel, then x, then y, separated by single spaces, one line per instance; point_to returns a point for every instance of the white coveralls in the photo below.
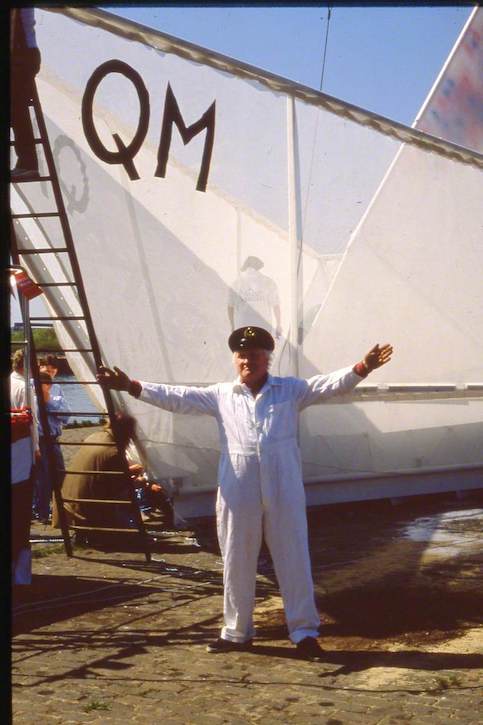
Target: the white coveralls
pixel 260 488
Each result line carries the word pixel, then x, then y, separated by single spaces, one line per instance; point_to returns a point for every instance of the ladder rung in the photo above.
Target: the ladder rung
pixel 57 284
pixel 93 473
pixel 20 342
pixel 36 216
pixel 79 382
pixel 123 502
pixel 71 413
pixel 102 528
pixel 65 349
pixel 58 317
pixel 47 250
pixel 73 443
pixel 31 180
pixel 36 140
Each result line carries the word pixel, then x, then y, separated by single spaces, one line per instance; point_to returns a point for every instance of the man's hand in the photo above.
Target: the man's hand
pixel 136 469
pixel 113 379
pixel 377 357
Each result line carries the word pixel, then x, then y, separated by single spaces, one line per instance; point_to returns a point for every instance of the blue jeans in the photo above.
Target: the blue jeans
pixel 43 482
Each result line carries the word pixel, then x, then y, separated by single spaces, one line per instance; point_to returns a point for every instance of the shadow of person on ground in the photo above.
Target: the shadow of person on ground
pixel 52 598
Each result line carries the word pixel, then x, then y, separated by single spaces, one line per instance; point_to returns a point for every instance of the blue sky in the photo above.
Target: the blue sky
pixel 384 59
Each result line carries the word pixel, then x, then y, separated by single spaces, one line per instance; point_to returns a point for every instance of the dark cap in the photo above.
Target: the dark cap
pixel 251 338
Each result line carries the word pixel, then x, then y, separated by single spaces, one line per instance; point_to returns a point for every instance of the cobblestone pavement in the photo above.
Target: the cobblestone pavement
pixel 105 637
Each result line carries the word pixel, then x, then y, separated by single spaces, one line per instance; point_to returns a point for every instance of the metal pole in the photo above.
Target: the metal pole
pixel 293 236
pixel 24 311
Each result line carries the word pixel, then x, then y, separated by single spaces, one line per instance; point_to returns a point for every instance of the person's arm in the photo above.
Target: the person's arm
pixel 231 317
pixel 274 301
pixel 233 302
pixel 35 428
pixel 340 382
pixel 175 398
pixel 278 325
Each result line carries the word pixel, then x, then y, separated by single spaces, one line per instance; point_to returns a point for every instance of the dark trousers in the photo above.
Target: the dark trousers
pixel 159 500
pixel 43 480
pixel 21 509
pixel 24 67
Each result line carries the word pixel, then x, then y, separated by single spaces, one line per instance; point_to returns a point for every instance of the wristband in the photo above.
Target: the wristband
pixel 134 388
pixel 361 369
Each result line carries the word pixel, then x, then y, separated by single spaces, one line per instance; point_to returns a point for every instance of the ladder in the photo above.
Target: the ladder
pixel 19 254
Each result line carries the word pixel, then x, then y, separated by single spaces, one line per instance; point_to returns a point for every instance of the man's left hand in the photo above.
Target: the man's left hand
pixel 378 356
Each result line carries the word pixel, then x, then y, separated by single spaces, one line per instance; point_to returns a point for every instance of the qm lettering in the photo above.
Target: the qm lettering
pixel 172 115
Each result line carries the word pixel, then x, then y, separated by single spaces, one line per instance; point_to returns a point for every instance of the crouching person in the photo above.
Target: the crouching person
pixel 86 481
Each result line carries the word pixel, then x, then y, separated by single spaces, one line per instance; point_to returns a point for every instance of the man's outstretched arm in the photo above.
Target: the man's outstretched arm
pixel 321 387
pixel 175 398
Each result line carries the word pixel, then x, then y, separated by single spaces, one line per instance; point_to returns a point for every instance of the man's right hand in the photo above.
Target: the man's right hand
pixel 113 379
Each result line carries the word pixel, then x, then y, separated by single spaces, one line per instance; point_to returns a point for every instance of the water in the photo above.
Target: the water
pixel 447 533
pixel 78 399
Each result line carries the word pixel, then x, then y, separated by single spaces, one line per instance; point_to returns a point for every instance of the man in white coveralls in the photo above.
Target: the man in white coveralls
pixel 260 477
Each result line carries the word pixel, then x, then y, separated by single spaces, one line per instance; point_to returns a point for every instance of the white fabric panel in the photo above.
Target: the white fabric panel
pixel 414 269
pixel 411 276
pixel 341 165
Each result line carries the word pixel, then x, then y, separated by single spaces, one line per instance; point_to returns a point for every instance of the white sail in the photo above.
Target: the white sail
pixel 414 267
pixel 163 237
pixel 453 109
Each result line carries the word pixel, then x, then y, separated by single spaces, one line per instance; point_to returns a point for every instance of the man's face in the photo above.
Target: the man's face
pixel 251 365
pixel 48 369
